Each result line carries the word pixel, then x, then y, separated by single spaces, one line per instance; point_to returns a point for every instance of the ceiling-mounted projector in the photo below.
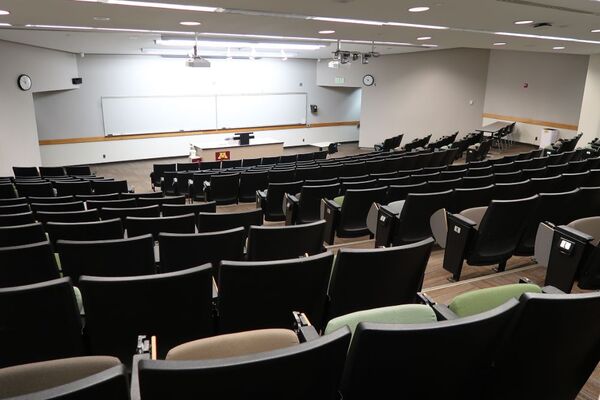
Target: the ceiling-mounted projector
pixel 196 61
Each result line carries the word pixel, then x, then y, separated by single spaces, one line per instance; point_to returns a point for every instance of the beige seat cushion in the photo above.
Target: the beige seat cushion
pixel 30 378
pixel 590 225
pixel 234 344
pixel 474 214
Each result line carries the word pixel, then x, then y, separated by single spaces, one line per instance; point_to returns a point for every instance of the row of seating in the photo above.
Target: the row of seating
pixel 488 344
pixel 83 170
pixel 45 188
pixel 184 305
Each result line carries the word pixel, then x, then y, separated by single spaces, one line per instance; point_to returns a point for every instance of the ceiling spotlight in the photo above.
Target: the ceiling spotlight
pixel 418 9
pixel 500 44
pixel 559 47
pixel 327 32
pixel 424 38
pixel 524 22
pixel 4 12
pixel 190 23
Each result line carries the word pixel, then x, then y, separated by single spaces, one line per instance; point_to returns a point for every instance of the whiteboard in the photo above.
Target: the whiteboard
pixel 253 110
pixel 136 115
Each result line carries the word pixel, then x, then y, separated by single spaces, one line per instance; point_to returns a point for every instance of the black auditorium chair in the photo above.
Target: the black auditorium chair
pixel 305 207
pixel 477 181
pixel 51 171
pixel 503 168
pixel 137 226
pixel 186 250
pixel 330 170
pixel 17 219
pixel 267 243
pixel 176 307
pixel 78 170
pixel 574 180
pixel 407 221
pixel 22 234
pixel 587 204
pixel 99 197
pixel 110 187
pixel 204 165
pixel 168 185
pixel 25 171
pixel 58 207
pixel 269 160
pixel 556 208
pixel 231 164
pixel 124 203
pixel 506 177
pixel 100 230
pixel 43 189
pixel 306 156
pixel 214 222
pixel 123 213
pixel 171 210
pixel 281 175
pixel 39 322
pixel 187 166
pixel 68 216
pixel 15 209
pixel 277 288
pixel 158 171
pixel 347 216
pixel 183 186
pixel 442 186
pixel 223 189
pixel 557 169
pixel 486 236
pixel 564 319
pixel 271 200
pixel 593 179
pixel 512 191
pixel 73 188
pixel 159 201
pixel 114 257
pixel 312 172
pixel 534 173
pixel 482 171
pixel 552 184
pixel 312 368
pixel 578 166
pixel 13 201
pixel 153 195
pixel 465 348
pixel 7 191
pixel 250 182
pixel 350 185
pixel 27 264
pixel 369 278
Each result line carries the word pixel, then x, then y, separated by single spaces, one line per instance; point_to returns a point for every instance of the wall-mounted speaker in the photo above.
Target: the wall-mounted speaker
pixel 77 81
pixel 314 108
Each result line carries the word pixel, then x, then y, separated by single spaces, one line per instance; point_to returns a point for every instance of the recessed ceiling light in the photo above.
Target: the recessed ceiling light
pixel 190 23
pixel 500 44
pixel 5 24
pixel 327 32
pixel 4 12
pixel 524 22
pixel 101 19
pixel 237 45
pixel 418 9
pixel 169 6
pixel 595 30
pixel 559 47
pixel 555 38
pixel 424 38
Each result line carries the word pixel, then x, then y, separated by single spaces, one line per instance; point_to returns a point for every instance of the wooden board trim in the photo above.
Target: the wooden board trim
pixel 92 139
pixel 530 121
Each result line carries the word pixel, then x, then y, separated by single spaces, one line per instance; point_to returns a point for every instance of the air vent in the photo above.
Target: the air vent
pixel 542 25
pixel 548 6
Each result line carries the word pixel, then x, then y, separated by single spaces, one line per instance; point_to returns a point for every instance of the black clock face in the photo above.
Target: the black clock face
pixel 368 80
pixel 24 82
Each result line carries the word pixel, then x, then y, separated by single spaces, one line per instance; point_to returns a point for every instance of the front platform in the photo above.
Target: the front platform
pixel 232 150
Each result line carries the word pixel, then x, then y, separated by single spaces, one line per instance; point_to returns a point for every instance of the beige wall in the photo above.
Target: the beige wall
pixel 554 94
pixel 49 70
pixel 437 92
pixel 589 121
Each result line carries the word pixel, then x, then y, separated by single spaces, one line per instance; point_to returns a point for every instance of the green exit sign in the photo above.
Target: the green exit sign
pixel 339 80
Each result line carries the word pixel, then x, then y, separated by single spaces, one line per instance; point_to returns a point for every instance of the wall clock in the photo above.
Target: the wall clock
pixel 24 82
pixel 368 80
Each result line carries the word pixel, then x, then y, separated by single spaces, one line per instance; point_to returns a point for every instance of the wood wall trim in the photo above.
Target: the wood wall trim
pixel 530 121
pixel 93 139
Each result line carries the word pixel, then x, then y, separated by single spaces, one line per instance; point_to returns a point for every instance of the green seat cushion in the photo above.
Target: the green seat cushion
pixel 339 200
pixel 403 314
pixel 478 301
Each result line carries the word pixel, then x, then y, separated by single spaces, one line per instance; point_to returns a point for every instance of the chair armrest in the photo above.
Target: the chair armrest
pixel 423 298
pixel 290 208
pixel 461 220
pixel 135 382
pixel 331 211
pixel 574 232
pixel 551 290
pixel 443 312
pixel 331 204
pixel 303 328
pixel 261 199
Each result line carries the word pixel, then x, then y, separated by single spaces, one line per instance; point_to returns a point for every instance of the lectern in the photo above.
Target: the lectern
pixel 244 137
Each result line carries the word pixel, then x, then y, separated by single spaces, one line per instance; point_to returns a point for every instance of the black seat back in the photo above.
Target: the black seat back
pixel 180 251
pixel 138 226
pixel 467 362
pixel 7 190
pixel 176 307
pixel 115 257
pixel 123 213
pixel 250 182
pixel 563 318
pixel 477 181
pixel 58 207
pixel 17 219
pixel 224 188
pixel 159 201
pixel 25 171
pixel 68 216
pixel 15 209
pixel 275 193
pixel 276 288
pixel 52 171
pixel 574 180
pixel 39 322
pixel 42 189
pixel 123 203
pixel 78 170
pixel 511 191
pixel 73 188
pixel 282 242
pixel 110 187
pixel 101 230
pixel 551 184
pixel 214 222
pixel 22 234
pixel 27 264
pixel 313 369
pixel 369 278
pixel 413 222
pixel 309 208
pixel 355 208
pixel 464 198
pixel 171 210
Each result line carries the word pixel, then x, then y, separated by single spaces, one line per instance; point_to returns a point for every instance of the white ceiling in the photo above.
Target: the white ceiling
pixel 472 23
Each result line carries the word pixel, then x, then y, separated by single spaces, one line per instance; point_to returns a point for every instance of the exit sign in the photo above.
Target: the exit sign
pixel 340 80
